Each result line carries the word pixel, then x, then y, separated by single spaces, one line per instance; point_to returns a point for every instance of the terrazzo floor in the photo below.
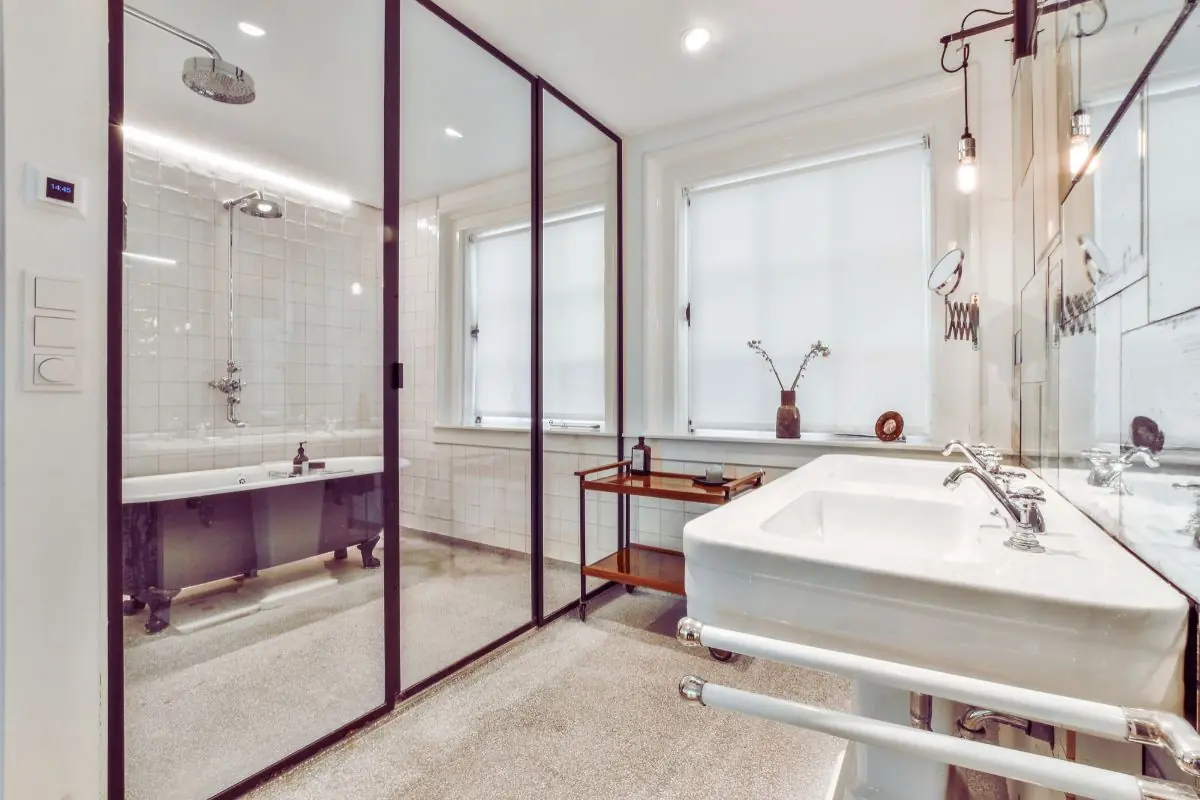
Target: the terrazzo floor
pixel 260 668
pixel 584 710
pixel 251 671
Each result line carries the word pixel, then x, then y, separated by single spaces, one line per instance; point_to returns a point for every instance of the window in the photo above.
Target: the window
pixel 498 313
pixel 837 251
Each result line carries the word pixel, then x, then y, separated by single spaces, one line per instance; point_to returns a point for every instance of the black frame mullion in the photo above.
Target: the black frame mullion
pixel 542 618
pixel 537 439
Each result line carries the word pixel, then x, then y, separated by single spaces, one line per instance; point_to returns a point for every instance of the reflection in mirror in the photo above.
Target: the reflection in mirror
pixel 1128 375
pixel 579 235
pixel 946 274
pixel 465 285
pixel 252 438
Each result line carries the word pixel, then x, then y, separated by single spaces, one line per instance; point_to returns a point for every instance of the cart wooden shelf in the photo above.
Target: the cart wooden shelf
pixel 636 564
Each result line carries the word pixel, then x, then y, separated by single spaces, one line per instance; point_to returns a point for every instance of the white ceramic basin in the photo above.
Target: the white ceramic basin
pixel 873 556
pixel 854 527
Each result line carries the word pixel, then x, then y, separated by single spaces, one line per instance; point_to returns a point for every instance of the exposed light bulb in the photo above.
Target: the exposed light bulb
pixel 968 177
pixel 356 288
pixel 250 29
pixel 696 39
pixel 1081 145
pixel 968 167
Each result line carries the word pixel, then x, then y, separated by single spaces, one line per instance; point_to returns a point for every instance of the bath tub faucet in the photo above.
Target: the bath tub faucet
pixel 1108 471
pixel 1024 519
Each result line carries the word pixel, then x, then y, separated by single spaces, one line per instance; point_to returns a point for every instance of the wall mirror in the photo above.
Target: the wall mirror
pixel 1126 306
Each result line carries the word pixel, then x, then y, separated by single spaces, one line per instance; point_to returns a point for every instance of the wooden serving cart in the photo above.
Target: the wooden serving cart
pixel 636 565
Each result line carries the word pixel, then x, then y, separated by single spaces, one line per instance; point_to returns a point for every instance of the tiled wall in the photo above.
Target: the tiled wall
pixel 478 494
pixel 307 327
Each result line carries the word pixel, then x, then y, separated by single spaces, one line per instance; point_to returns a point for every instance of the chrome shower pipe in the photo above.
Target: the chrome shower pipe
pixel 171 29
pixel 236 202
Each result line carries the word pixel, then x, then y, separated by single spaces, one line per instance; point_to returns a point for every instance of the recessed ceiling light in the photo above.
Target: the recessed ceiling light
pixel 356 288
pixel 250 29
pixel 696 39
pixel 453 134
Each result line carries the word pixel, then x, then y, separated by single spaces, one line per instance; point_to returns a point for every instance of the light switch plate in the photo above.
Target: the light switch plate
pixel 56 332
pixel 53 342
pixel 52 294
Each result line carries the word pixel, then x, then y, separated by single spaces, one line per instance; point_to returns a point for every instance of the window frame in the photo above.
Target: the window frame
pixel 685 352
pixel 469 265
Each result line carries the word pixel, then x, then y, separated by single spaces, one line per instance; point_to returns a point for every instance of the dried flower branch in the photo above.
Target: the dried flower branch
pixel 817 349
pixel 756 346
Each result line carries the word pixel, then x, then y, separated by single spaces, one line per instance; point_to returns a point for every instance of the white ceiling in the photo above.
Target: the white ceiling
pixel 622 58
pixel 319 74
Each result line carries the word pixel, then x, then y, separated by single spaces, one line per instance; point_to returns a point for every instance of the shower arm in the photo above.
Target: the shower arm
pixel 171 29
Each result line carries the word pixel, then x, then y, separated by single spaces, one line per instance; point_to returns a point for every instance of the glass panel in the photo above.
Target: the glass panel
pixel 252 330
pixel 465 288
pixel 579 302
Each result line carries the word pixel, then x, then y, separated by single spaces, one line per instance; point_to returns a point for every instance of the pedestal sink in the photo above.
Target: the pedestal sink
pixel 874 556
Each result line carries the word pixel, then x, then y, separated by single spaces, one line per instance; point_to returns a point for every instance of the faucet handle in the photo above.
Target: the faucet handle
pixel 1033 516
pixel 1030 493
pixel 1098 457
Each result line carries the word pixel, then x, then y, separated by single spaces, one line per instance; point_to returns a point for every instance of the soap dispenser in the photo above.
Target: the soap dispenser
pixel 640 456
pixel 300 462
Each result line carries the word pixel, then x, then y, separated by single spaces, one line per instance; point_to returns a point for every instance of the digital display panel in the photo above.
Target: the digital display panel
pixel 63 191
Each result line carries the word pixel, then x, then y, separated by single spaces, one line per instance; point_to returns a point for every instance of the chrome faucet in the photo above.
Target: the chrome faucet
pixel 1108 470
pixel 1192 528
pixel 231 386
pixel 1025 518
pixel 985 457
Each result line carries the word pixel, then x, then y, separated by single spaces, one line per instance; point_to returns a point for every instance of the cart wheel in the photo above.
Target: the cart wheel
pixel 629 589
pixel 724 656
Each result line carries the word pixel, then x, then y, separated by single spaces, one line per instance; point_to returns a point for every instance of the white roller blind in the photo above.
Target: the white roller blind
pixel 500 266
pixel 573 316
pixel 573 267
pixel 837 252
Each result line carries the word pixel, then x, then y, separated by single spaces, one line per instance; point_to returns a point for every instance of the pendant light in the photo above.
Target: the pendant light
pixel 1081 121
pixel 968 165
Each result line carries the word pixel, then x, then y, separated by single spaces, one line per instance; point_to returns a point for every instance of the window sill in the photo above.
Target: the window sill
pixel 828 441
pixel 556 441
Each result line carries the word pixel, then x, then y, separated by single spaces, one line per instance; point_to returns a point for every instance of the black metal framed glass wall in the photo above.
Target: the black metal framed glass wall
pixel 364 326
pixel 249 511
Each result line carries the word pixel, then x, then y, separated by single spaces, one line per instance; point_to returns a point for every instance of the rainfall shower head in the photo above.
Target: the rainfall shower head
pixel 211 77
pixel 256 205
pixel 218 80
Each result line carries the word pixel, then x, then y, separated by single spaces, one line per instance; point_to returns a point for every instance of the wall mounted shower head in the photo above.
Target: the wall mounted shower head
pixel 263 209
pixel 256 204
pixel 218 80
pixel 211 77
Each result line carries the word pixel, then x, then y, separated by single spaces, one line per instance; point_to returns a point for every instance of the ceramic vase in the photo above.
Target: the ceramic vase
pixel 787 418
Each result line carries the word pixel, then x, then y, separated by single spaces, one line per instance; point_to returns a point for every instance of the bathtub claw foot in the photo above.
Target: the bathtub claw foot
pixel 159 601
pixel 341 554
pixel 132 606
pixel 369 560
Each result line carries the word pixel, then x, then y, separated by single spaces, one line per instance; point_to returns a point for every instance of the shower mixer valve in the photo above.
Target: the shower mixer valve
pixel 230 385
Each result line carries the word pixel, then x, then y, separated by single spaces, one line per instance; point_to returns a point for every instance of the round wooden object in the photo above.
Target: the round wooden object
pixel 889 427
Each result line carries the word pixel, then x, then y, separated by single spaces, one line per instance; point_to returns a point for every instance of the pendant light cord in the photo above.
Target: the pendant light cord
pixel 966 57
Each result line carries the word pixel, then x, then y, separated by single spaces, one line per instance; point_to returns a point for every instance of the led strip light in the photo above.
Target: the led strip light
pixel 243 169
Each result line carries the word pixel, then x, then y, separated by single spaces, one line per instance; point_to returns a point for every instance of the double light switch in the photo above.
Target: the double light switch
pixel 52 335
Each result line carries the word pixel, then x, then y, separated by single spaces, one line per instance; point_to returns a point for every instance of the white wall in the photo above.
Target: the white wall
pixel 55 114
pixel 971 390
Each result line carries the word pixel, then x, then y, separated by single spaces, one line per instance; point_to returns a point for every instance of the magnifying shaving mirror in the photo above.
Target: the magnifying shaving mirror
pixel 946 274
pixel 962 318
